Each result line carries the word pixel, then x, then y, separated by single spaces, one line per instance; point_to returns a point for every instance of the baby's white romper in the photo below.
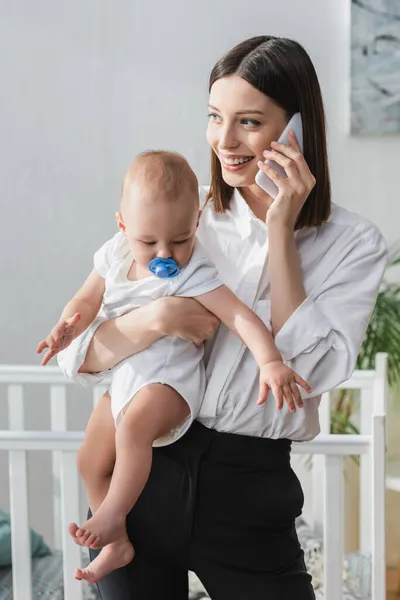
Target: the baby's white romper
pixel 171 360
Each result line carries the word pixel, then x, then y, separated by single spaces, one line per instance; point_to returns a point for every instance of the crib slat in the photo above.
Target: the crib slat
pixel 20 536
pixel 366 410
pixel 70 512
pixel 333 528
pixel 378 508
pixel 58 421
pixel 318 466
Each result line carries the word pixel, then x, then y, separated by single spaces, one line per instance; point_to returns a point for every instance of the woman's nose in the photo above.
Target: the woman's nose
pixel 228 138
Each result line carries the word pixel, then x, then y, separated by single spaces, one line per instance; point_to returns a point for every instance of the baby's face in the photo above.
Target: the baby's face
pixel 160 228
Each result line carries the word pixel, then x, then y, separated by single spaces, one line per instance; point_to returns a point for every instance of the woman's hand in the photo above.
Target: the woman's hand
pixel 186 318
pixel 293 190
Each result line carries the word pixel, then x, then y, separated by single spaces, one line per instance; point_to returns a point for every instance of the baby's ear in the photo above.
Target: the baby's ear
pixel 120 222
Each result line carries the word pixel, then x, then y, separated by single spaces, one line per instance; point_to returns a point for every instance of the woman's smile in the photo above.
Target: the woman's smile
pixel 235 162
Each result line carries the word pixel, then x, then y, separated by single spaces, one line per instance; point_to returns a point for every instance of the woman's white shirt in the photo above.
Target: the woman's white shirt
pixel 343 262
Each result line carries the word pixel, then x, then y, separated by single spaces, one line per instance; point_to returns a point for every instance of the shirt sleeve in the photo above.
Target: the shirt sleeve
pixel 104 257
pixel 201 278
pixel 72 358
pixel 321 340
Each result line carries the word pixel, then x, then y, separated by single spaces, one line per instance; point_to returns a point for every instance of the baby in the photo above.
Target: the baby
pixel 157 393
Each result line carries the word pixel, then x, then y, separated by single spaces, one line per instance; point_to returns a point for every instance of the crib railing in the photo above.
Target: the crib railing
pixel 328 479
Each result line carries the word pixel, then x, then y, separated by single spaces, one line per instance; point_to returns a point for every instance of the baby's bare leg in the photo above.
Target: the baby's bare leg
pixel 96 457
pixel 153 412
pixel 96 461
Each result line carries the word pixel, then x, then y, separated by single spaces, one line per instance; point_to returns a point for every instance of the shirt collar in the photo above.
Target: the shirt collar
pixel 245 219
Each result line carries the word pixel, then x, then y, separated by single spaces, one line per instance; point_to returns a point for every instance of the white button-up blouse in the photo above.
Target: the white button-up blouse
pixel 342 263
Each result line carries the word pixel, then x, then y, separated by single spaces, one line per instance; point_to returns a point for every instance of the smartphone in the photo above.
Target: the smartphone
pixel 262 179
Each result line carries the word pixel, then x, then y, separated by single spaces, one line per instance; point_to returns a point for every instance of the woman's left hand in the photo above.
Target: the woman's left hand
pixel 293 190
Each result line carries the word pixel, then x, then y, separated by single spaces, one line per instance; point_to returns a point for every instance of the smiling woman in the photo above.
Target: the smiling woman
pixel 222 500
pixel 254 90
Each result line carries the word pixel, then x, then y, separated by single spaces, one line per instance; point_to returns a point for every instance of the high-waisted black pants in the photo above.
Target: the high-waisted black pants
pixel 222 505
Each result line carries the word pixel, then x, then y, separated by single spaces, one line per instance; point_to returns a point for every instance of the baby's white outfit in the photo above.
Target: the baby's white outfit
pixel 171 360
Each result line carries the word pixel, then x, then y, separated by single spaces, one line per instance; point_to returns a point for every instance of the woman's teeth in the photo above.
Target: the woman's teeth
pixel 236 161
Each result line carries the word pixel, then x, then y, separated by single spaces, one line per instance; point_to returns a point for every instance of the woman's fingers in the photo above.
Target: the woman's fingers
pixel 272 174
pixel 284 161
pixel 293 153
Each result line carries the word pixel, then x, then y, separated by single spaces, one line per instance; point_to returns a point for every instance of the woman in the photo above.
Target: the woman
pixel 222 501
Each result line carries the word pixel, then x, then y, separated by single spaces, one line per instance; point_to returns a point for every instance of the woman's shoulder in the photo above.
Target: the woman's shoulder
pixel 351 223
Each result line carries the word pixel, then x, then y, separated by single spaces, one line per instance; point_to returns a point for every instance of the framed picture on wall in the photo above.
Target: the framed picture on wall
pixel 375 67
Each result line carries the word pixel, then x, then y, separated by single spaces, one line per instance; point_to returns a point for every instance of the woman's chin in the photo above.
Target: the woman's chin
pixel 238 179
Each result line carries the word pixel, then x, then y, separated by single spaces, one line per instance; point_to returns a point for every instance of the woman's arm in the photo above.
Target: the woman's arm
pixel 322 338
pixel 286 277
pixel 119 338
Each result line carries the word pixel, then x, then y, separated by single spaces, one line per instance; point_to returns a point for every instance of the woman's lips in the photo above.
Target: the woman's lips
pixel 226 162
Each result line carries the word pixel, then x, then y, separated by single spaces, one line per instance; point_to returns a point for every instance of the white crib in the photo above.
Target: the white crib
pixel 327 473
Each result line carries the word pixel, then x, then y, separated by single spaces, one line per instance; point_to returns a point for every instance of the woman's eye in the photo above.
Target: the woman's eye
pixel 214 117
pixel 251 122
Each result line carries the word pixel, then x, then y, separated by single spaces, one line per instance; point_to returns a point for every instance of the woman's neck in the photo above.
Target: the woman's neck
pixel 257 200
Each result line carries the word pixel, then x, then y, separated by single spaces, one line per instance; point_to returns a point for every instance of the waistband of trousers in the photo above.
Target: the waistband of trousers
pixel 235 449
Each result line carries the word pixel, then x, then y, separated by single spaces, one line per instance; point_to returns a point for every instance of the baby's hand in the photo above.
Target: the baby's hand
pixel 282 381
pixel 59 338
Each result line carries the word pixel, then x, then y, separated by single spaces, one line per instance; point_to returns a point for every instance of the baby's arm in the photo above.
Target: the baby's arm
pixel 77 315
pixel 257 337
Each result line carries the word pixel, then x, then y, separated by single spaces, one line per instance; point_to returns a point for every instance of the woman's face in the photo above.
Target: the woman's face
pixel 242 124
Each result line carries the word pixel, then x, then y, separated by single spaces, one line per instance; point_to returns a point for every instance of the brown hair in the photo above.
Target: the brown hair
pixel 168 170
pixel 281 69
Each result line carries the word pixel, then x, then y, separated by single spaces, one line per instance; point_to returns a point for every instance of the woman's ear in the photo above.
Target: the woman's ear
pixel 120 222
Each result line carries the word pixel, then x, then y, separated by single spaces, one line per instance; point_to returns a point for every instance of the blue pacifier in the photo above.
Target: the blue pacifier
pixel 164 267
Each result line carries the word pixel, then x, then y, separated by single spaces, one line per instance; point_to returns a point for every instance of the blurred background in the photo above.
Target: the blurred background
pixel 87 85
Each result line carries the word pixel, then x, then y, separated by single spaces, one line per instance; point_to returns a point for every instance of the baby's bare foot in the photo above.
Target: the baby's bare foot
pixel 72 529
pixel 114 556
pixel 100 530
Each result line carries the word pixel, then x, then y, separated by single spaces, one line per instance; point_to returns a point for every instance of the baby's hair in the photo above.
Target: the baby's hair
pixel 168 171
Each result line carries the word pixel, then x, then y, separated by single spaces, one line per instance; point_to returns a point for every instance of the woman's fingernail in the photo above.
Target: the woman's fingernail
pixel 274 143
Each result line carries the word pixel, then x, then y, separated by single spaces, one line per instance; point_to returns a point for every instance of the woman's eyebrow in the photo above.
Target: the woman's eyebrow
pixel 241 112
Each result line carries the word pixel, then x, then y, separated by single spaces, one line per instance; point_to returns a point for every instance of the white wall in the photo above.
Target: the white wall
pixel 85 86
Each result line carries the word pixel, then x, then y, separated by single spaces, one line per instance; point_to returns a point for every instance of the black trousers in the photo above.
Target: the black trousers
pixel 223 506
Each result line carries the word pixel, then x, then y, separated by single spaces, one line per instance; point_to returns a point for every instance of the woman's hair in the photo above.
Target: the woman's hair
pixel 281 69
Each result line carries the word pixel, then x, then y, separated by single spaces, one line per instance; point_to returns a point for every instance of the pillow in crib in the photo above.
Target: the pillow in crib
pixel 38 546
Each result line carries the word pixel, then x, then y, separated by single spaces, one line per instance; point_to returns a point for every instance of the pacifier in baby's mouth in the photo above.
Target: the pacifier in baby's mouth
pixel 164 267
